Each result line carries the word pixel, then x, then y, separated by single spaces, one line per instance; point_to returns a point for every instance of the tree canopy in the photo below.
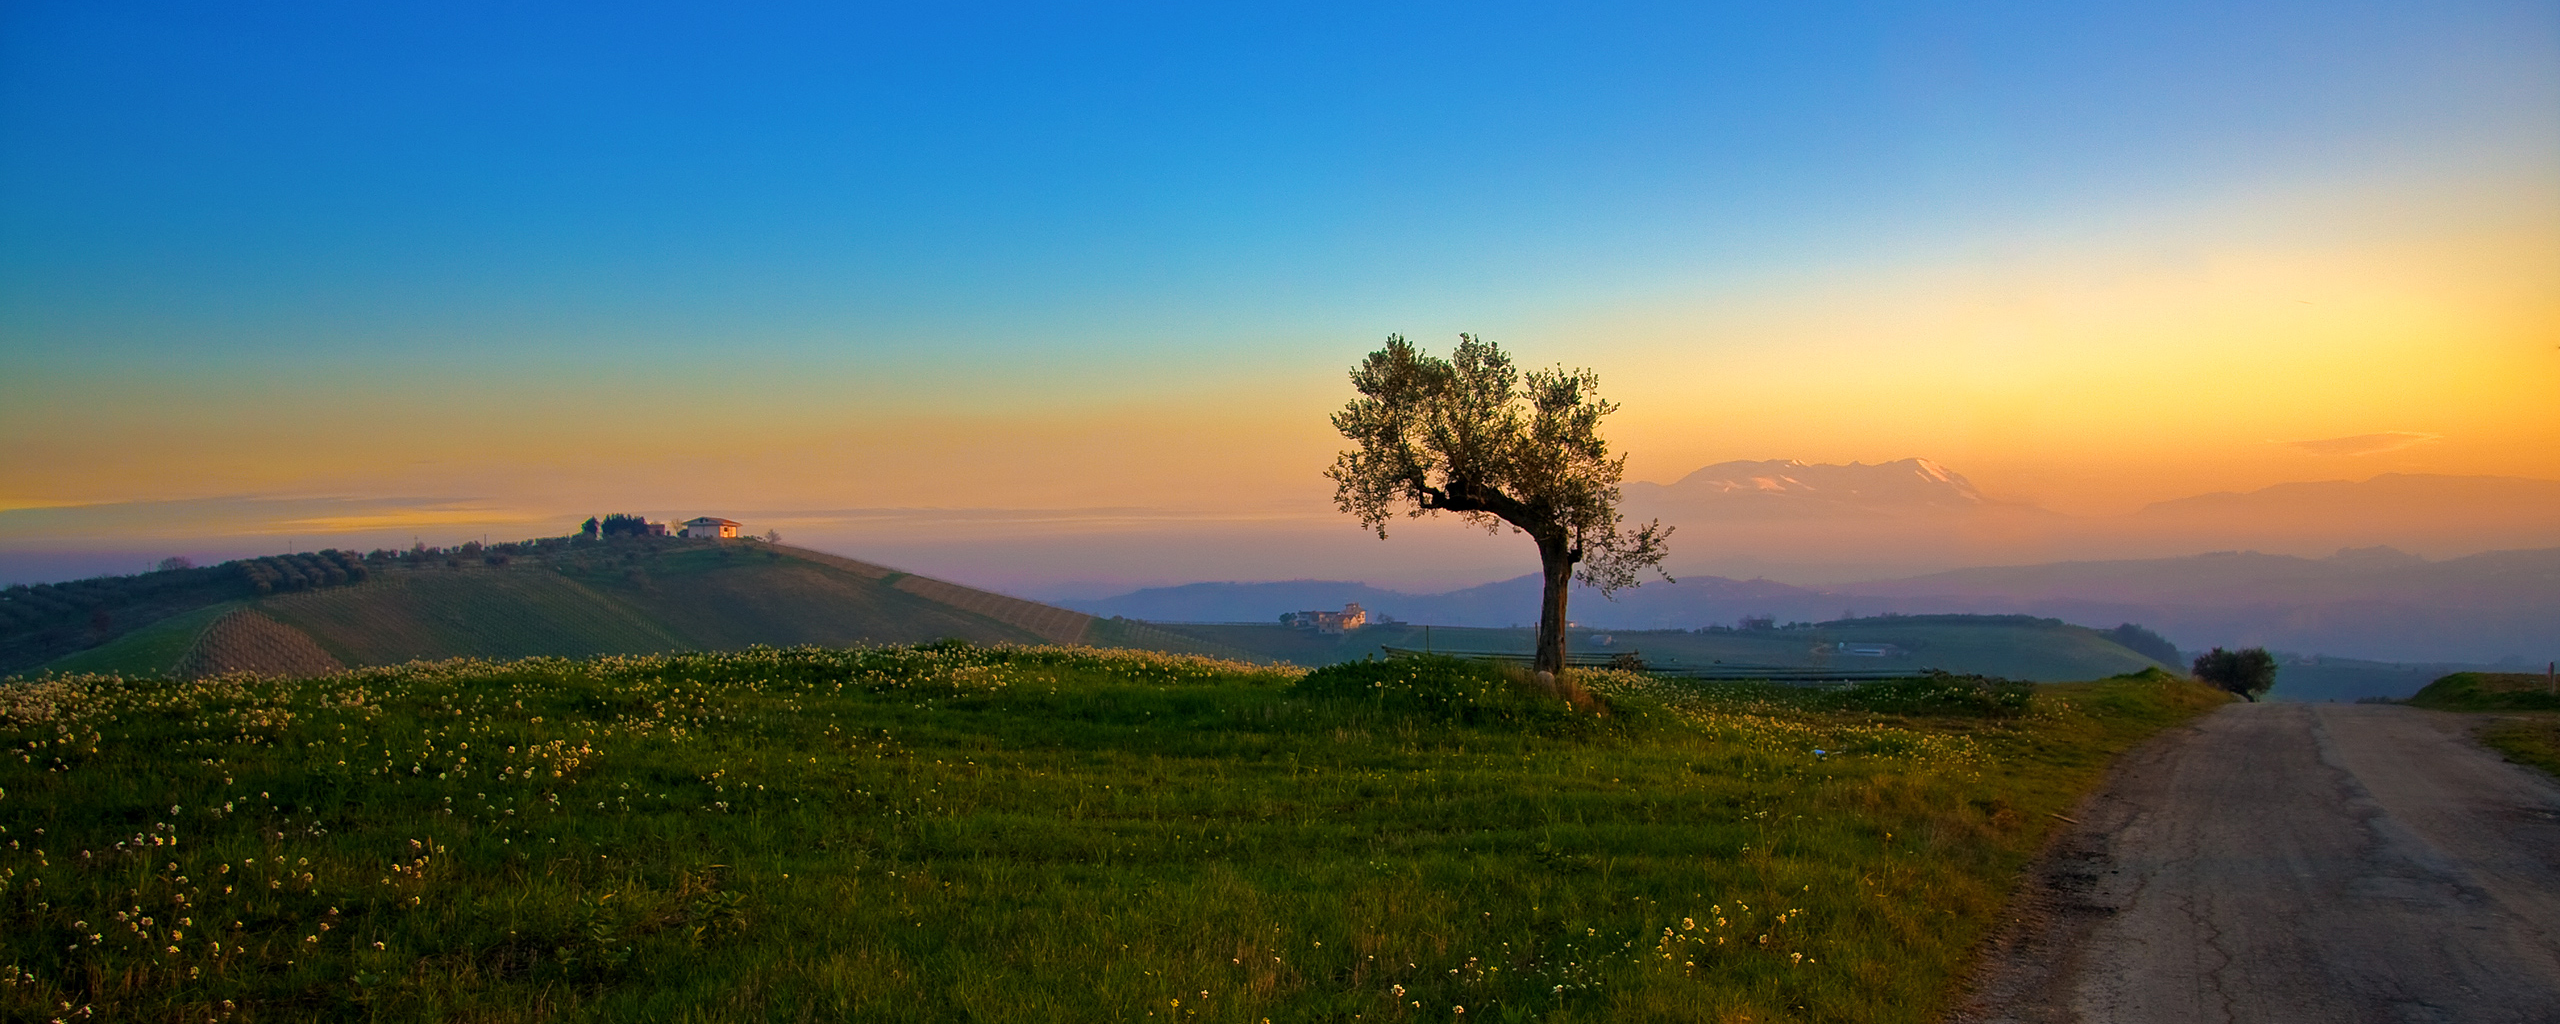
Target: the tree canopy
pixel 1472 435
pixel 2249 672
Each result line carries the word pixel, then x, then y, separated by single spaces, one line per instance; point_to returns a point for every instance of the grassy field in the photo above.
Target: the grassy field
pixel 1019 833
pixel 2017 650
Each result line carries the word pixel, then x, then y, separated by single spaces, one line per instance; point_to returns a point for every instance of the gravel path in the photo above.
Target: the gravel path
pixel 2295 862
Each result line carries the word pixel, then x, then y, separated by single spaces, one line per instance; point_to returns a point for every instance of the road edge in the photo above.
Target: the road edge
pixel 2023 972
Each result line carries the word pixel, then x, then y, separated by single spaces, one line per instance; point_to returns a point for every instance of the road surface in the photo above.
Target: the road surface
pixel 2294 862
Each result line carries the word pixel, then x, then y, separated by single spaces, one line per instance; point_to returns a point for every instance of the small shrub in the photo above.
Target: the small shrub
pixel 1452 689
pixel 1943 693
pixel 2249 672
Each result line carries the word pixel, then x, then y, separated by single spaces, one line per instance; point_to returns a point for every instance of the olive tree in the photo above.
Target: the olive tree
pixel 1471 436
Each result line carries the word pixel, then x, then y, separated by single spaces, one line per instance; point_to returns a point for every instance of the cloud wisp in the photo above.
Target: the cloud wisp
pixel 2365 444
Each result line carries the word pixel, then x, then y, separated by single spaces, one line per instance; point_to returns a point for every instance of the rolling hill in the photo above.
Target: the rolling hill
pixel 639 595
pixel 622 596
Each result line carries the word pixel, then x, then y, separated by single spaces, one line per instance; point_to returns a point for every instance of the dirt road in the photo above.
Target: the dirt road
pixel 2295 862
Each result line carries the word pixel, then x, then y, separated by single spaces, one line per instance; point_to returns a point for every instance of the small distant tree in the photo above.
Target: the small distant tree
pixel 2249 672
pixel 176 562
pixel 588 529
pixel 1469 435
pixel 773 536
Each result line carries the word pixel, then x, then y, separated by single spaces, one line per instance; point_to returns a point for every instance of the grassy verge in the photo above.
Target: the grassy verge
pixel 997 834
pixel 2488 691
pixel 2527 739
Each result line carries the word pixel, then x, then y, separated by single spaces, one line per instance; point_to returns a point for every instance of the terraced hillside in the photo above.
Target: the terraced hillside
pixel 627 596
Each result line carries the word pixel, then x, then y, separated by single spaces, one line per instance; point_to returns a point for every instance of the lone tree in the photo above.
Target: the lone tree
pixel 1468 435
pixel 2249 672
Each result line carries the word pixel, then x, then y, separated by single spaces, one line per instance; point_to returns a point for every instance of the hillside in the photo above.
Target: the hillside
pixel 2490 691
pixel 621 596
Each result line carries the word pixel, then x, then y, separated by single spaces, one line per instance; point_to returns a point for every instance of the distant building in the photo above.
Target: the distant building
pixel 710 527
pixel 1349 618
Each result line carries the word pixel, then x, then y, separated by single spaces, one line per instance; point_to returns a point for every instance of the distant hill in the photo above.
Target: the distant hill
pixel 2373 603
pixel 621 596
pixel 1691 603
pixel 2015 646
pixel 2490 691
pixel 1246 602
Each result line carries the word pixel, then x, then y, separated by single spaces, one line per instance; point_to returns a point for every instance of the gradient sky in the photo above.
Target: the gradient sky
pixel 436 267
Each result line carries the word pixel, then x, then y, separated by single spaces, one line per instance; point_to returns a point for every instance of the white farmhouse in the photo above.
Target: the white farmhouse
pixel 710 527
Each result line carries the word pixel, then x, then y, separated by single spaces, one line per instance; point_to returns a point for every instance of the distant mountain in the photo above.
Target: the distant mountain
pixel 1243 602
pixel 1817 522
pixel 1785 487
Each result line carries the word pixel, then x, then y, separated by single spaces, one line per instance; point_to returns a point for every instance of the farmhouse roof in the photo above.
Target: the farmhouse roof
pixel 710 521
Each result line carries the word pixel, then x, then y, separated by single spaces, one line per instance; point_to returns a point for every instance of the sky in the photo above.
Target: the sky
pixel 1039 295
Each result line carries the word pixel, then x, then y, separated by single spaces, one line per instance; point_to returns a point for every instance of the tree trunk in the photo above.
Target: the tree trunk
pixel 1555 558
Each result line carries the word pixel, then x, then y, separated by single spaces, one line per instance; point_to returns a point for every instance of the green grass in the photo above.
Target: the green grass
pixel 636 601
pixel 1002 834
pixel 149 651
pixel 2527 739
pixel 2488 691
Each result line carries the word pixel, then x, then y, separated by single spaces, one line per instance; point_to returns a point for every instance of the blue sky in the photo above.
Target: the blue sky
pixel 279 235
pixel 375 176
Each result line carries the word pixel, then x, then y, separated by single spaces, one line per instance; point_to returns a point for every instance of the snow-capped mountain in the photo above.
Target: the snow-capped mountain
pixel 1789 487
